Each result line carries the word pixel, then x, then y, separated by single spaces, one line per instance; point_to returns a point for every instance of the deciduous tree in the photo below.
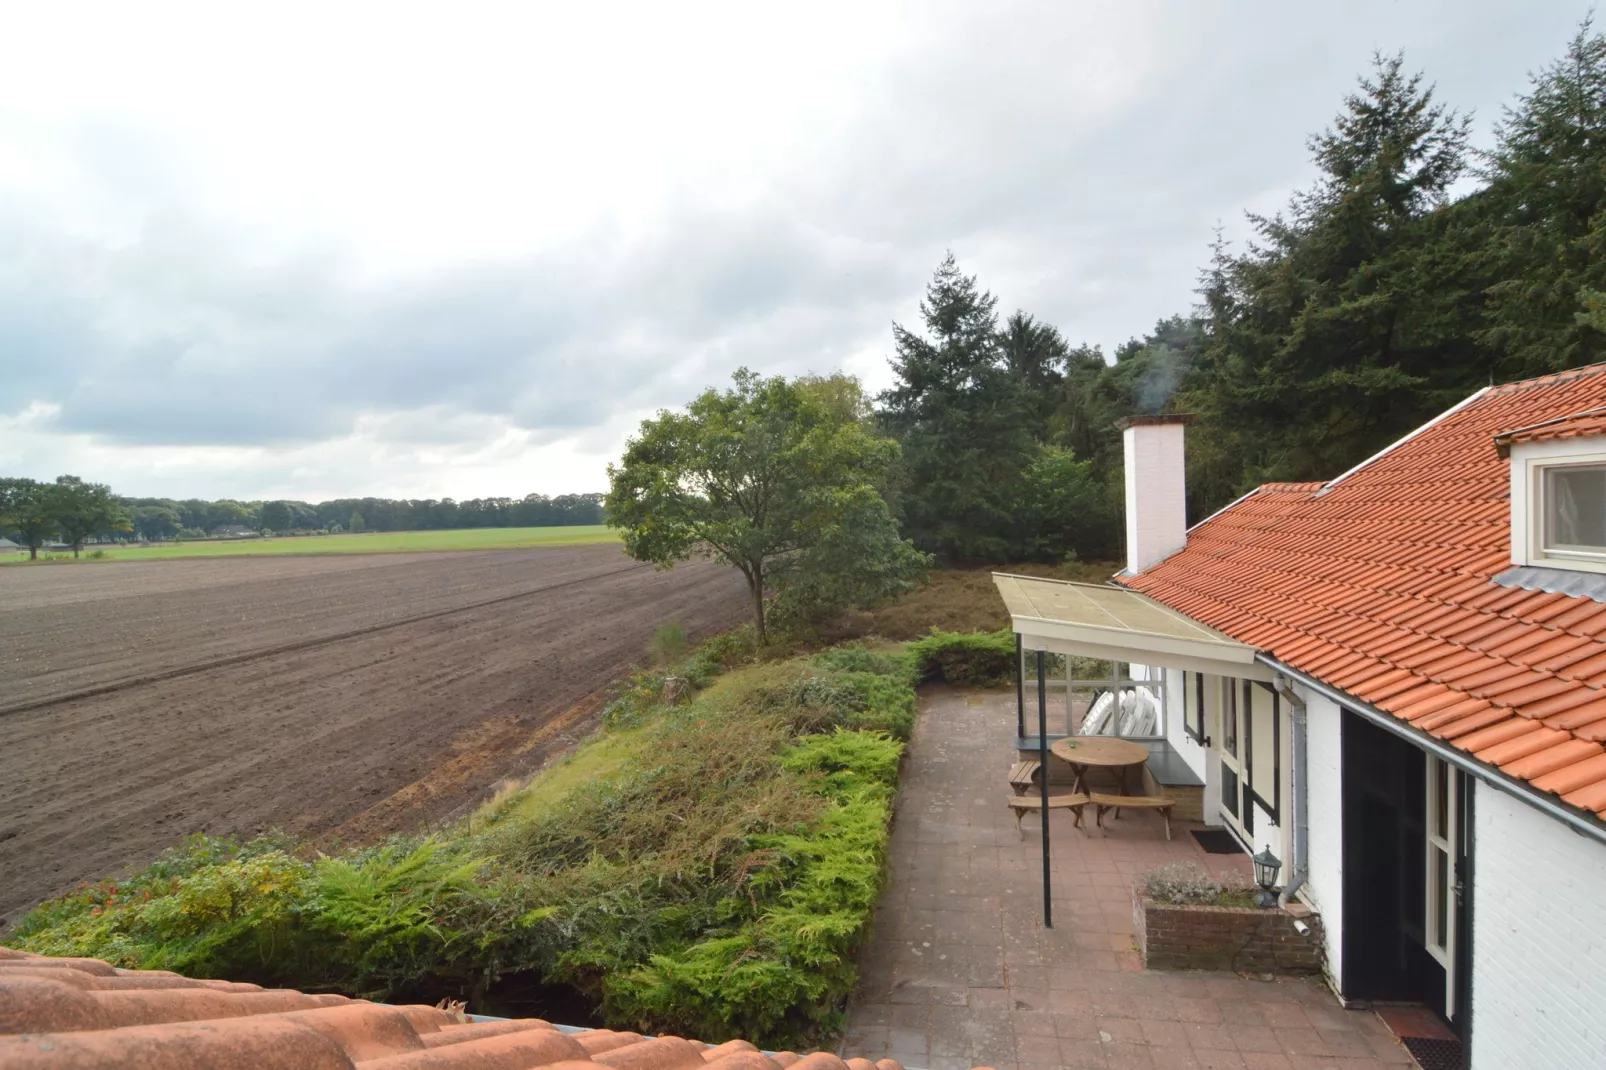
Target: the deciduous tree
pixel 27 506
pixel 777 479
pixel 226 513
pixel 156 522
pixel 85 509
pixel 276 516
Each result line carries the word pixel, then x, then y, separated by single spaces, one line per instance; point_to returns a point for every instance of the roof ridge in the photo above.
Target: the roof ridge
pixel 1548 379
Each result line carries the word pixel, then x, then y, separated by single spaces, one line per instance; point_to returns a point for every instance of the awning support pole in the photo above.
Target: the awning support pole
pixel 1020 688
pixel 1070 689
pixel 1042 782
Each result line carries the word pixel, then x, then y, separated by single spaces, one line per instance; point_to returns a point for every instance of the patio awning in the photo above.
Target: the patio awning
pixel 1115 624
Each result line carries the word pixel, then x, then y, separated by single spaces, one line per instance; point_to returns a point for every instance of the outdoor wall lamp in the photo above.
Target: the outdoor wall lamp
pixel 1266 867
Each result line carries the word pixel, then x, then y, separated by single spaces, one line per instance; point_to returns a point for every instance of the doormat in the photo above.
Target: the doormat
pixel 1432 1053
pixel 1218 841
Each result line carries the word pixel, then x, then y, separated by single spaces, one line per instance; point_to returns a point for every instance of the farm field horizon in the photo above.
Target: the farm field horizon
pixel 367 542
pixel 338 697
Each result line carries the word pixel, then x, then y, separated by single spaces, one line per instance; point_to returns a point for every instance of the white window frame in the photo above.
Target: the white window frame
pixel 1442 891
pixel 1541 510
pixel 1529 464
pixel 1239 815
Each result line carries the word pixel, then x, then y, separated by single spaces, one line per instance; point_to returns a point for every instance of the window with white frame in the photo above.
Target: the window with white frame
pixel 1572 510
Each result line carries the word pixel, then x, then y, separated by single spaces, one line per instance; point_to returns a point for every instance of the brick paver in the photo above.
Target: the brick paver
pixel 961 972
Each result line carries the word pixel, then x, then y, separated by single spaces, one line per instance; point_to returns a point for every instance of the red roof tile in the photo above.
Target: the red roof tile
pixel 83 1014
pixel 1379 583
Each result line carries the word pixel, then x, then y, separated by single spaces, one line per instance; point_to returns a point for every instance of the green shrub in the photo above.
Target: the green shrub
pixel 782 974
pixel 380 915
pixel 207 908
pixel 668 642
pixel 730 649
pixel 804 698
pixel 886 704
pixel 637 698
pixel 720 885
pixel 898 664
pixel 847 760
pixel 976 658
pixel 370 923
pixel 813 698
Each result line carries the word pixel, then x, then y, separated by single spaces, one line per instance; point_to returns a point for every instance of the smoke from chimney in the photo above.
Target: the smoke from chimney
pixel 1167 366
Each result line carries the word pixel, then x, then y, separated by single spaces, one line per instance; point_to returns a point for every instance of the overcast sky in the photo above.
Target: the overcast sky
pixel 462 250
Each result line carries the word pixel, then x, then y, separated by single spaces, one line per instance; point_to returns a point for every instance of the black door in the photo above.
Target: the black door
pixel 1385 883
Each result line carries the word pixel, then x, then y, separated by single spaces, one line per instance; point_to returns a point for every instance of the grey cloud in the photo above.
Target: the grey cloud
pixel 188 330
pixel 200 347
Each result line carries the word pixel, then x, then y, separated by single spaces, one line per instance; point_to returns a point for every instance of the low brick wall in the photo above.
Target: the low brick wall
pixel 1245 939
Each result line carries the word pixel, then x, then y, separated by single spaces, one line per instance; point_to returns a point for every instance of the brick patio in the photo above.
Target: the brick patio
pixel 961 972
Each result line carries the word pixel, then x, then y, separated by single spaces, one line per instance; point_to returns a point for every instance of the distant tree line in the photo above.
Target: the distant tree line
pixel 1374 301
pixel 165 518
pixel 36 513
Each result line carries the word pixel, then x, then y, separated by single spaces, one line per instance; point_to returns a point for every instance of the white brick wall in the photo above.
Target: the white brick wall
pixel 1539 944
pixel 1156 494
pixel 1190 751
pixel 1323 763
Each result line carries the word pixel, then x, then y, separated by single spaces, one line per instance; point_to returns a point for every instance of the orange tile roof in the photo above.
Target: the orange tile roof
pixel 1379 584
pixel 82 1013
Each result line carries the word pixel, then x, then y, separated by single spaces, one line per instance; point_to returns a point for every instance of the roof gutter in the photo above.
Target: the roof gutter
pixel 1585 825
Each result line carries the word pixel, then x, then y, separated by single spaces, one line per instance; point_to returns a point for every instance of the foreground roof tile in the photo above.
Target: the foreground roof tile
pixel 1380 583
pixel 83 1014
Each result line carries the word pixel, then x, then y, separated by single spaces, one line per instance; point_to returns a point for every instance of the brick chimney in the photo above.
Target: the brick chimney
pixel 1156 491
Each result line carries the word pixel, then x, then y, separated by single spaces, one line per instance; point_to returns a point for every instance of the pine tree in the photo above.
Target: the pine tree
pixel 1323 345
pixel 1548 193
pixel 1035 354
pixel 965 423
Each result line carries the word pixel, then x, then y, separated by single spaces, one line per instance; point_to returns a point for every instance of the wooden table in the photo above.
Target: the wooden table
pixel 1082 752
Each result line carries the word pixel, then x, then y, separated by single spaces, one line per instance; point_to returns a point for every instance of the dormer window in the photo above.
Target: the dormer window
pixel 1558 492
pixel 1574 510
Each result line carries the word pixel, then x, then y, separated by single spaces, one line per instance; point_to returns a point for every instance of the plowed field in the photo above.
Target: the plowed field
pixel 339 698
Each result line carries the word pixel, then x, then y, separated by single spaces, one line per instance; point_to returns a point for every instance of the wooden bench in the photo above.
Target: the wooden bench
pixel 1023 777
pixel 1106 803
pixel 1063 801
